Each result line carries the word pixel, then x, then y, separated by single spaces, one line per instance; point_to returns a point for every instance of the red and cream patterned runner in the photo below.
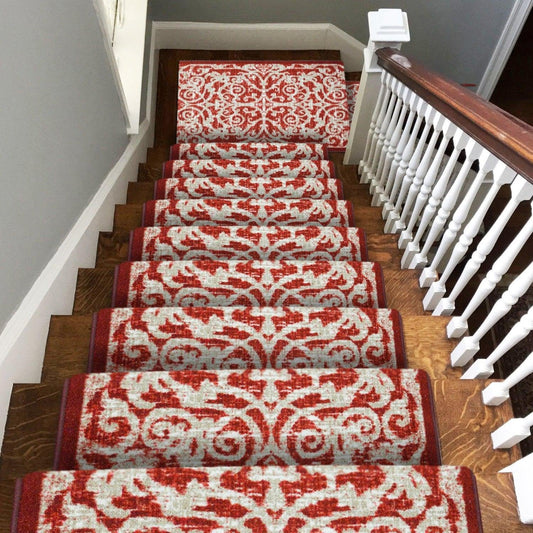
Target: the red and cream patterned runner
pixel 248 168
pixel 247 417
pixel 248 283
pixel 264 101
pixel 247 188
pixel 255 212
pixel 212 338
pixel 222 150
pixel 247 242
pixel 251 499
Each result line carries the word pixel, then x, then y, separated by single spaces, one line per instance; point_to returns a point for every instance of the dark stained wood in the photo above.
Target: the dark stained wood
pixel 504 135
pixel 465 425
pixel 352 76
pixel 67 347
pixel 29 442
pixel 139 193
pixel 149 174
pixel 127 217
pixel 93 290
pixel 7 490
pixel 112 248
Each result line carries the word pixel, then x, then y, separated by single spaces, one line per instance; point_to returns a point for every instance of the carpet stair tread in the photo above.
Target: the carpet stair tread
pixel 199 338
pixel 267 188
pixel 276 101
pixel 226 150
pixel 247 242
pixel 247 417
pixel 270 498
pixel 248 283
pixel 241 212
pixel 248 168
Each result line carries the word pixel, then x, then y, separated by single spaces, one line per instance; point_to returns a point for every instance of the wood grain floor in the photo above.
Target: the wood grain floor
pixel 464 422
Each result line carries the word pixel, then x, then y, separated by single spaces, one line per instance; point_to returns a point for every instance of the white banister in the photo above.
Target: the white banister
pixel 512 432
pixel 502 175
pixel 368 166
pixel 438 122
pixel 388 28
pixel 521 190
pixel 390 182
pixel 406 156
pixel 469 346
pixel 472 152
pixel 484 368
pixel 392 148
pixel 389 127
pixel 522 471
pixel 448 130
pixel 498 391
pixel 459 324
pixel 429 275
pixel 393 224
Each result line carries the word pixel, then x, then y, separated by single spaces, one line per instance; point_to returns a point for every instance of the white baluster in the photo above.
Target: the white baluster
pixel 387 81
pixel 472 150
pixel 502 175
pixel 497 392
pixel 486 163
pixel 469 346
pixel 412 257
pixel 421 172
pixel 392 224
pixel 407 154
pixel 484 368
pixel 391 128
pixel 391 183
pixel 520 190
pixel 512 432
pixel 458 325
pixel 372 136
pixel 392 147
pixel 383 128
pixel 448 129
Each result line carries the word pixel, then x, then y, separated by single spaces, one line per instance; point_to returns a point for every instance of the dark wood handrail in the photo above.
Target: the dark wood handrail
pixel 507 137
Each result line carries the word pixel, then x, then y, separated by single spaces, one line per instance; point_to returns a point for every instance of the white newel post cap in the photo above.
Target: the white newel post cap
pixel 388 28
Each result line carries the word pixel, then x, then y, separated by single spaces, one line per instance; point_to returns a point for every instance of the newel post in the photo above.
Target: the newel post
pixel 388 28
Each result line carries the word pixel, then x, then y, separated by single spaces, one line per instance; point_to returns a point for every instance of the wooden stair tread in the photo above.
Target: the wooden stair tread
pixel 427 346
pixel 498 504
pixel 465 425
pixel 93 290
pixel 139 192
pixel 112 248
pixel 127 217
pixel 31 429
pixel 7 489
pixel 67 347
pixel 148 174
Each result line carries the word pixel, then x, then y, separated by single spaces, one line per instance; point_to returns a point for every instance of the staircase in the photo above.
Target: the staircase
pixel 463 422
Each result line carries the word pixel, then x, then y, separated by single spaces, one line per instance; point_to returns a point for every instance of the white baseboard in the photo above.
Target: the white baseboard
pixel 23 340
pixel 219 36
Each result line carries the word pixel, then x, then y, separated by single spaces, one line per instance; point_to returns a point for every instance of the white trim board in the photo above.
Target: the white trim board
pixel 504 47
pixel 23 340
pixel 277 36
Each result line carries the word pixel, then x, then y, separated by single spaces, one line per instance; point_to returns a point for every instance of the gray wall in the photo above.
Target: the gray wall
pixel 454 37
pixel 62 130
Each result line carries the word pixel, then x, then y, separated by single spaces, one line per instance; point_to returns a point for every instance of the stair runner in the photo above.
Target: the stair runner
pixel 249 376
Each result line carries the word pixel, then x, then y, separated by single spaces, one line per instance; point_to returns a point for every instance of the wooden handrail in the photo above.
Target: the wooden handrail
pixel 507 137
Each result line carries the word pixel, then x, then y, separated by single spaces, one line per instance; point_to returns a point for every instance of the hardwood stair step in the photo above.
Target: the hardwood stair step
pixel 112 248
pixel 149 174
pixel 94 289
pixel 139 192
pixel 31 428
